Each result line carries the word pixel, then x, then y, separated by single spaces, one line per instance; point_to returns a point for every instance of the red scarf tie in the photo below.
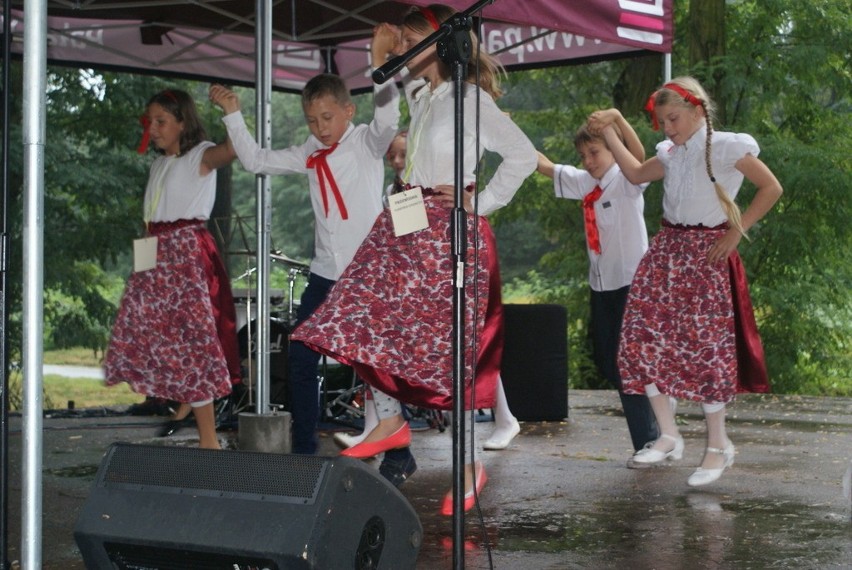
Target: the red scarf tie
pixel 589 216
pixel 318 160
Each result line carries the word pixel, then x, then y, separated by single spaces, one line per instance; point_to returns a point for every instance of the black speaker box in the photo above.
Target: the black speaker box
pixel 166 507
pixel 535 361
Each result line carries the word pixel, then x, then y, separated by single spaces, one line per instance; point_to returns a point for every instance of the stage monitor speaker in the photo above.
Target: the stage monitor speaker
pixel 535 361
pixel 165 507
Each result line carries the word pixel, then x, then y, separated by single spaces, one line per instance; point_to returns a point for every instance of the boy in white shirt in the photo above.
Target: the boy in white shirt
pixel 344 165
pixel 616 239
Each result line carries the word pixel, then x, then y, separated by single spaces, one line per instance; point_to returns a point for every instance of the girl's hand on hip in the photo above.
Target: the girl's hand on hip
pixel 724 246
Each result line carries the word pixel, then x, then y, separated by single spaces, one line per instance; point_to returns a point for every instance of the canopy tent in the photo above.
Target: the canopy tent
pixel 214 39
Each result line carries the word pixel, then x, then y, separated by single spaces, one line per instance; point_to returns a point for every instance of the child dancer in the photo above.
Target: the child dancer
pixel 678 338
pixel 175 333
pixel 616 239
pixel 343 163
pixel 390 315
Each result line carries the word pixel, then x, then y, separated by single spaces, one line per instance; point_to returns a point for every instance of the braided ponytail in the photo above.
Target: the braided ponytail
pixel 732 211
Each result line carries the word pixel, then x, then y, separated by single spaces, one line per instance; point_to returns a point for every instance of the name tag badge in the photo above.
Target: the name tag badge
pixel 408 211
pixel 144 254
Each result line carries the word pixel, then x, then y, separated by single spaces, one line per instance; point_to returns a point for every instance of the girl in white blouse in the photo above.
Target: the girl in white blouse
pixel 175 332
pixel 680 337
pixel 390 314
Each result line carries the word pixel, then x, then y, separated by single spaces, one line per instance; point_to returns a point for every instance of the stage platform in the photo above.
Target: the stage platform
pixel 560 497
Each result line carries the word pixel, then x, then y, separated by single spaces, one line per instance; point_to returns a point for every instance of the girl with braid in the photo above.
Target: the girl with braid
pixel 689 329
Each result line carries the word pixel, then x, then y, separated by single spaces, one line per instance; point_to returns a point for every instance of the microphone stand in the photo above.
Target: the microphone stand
pixel 454 48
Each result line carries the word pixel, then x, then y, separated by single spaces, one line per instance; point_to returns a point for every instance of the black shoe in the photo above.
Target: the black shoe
pixel 397 471
pixel 171 427
pixel 152 407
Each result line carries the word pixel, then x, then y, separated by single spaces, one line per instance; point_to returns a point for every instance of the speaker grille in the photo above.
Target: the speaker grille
pixel 250 475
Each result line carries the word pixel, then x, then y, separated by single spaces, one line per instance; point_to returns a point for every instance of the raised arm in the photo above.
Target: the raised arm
pixel 600 119
pixel 217 156
pixel 545 165
pixel 636 172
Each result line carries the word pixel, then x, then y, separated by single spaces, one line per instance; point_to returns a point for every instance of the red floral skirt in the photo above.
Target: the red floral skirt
pixel 678 330
pixel 169 340
pixel 390 314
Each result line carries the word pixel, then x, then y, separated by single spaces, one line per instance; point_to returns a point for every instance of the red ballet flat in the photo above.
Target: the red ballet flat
pixel 399 438
pixel 469 497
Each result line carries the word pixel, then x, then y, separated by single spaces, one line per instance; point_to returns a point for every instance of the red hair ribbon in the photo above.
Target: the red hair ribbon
pixel 591 222
pixel 689 97
pixel 319 161
pixel 430 16
pixel 146 134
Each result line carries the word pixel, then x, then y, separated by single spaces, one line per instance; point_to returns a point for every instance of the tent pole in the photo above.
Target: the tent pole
pixel 667 67
pixel 4 320
pixel 263 94
pixel 35 81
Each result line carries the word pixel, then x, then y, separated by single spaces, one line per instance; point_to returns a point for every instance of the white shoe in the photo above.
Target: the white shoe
pixel 501 437
pixel 706 476
pixel 653 456
pixel 346 441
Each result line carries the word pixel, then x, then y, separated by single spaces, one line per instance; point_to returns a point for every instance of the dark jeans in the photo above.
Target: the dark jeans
pixel 605 326
pixel 304 385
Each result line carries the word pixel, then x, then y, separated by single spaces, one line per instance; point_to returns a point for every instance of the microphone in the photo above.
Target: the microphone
pixel 389 69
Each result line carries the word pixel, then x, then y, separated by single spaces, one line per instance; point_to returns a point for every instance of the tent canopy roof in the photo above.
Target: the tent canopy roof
pixel 214 39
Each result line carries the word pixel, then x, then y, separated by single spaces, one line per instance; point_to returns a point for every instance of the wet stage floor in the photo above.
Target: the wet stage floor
pixel 560 497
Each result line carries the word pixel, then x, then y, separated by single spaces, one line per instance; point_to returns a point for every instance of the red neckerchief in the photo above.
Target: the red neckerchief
pixel 589 217
pixel 318 161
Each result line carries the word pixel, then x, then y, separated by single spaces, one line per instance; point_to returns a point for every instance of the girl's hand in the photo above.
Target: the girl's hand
pixel 387 39
pixel 724 246
pixel 224 98
pixel 598 120
pixel 445 195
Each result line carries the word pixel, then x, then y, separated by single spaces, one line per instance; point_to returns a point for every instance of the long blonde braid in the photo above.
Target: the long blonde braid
pixel 732 211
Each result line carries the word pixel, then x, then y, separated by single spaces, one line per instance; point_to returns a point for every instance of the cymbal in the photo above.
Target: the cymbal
pixel 281 258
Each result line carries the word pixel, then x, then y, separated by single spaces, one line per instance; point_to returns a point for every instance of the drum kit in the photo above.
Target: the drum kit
pixel 342 392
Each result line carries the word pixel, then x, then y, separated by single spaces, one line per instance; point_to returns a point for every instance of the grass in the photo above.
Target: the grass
pixel 73 357
pixel 84 392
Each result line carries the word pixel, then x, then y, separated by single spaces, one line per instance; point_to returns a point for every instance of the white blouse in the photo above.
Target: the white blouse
pixel 689 196
pixel 176 191
pixel 431 149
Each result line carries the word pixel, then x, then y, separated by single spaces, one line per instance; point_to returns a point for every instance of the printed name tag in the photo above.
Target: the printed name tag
pixel 408 211
pixel 144 254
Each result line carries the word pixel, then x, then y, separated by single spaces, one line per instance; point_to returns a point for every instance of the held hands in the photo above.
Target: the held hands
pixel 224 98
pixel 724 246
pixel 601 119
pixel 445 195
pixel 387 40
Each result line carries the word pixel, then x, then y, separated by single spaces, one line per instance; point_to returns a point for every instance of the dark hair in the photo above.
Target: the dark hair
pixel 179 104
pixel 585 136
pixel 325 84
pixel 489 68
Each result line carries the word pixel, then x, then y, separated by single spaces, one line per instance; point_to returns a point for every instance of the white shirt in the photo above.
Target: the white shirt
pixel 176 191
pixel 689 196
pixel 357 166
pixel 431 148
pixel 620 221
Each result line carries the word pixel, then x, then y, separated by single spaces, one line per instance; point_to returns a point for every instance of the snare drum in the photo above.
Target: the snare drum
pixel 279 346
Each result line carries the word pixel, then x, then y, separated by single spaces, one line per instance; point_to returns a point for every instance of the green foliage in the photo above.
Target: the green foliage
pixel 784 78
